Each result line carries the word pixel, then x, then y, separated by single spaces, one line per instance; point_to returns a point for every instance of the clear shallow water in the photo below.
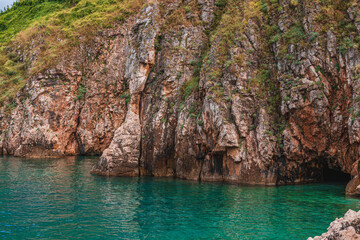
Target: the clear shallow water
pixel 59 199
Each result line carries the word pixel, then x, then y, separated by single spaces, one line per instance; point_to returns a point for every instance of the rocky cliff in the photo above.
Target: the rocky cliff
pixel 256 92
pixel 345 228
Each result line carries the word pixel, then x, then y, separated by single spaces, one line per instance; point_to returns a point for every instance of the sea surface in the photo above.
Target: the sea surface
pixel 60 199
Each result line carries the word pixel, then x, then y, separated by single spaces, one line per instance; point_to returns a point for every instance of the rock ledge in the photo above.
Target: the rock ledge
pixel 347 227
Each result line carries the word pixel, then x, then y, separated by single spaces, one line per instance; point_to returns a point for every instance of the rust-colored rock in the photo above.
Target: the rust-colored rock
pixel 179 91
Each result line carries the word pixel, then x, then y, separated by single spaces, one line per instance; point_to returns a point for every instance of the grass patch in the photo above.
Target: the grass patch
pixel 50 30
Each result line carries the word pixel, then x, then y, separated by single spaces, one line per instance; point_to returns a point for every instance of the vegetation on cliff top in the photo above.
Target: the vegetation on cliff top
pixel 37 32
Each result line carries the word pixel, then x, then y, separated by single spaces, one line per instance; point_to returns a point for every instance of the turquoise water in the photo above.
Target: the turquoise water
pixel 59 199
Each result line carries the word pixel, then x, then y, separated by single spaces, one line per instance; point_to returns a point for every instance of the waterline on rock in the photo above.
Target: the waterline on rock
pixel 59 198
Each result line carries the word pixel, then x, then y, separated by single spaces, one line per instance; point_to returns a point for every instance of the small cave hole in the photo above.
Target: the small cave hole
pixel 335 175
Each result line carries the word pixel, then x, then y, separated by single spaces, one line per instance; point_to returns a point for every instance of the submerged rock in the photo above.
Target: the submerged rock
pixel 345 228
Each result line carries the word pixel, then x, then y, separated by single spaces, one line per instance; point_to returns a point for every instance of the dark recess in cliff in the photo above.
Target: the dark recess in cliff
pixel 335 175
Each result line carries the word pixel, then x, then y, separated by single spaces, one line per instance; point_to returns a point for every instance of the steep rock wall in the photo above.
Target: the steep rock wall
pixel 255 92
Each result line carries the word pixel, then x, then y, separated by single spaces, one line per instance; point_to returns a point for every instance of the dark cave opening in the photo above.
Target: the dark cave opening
pixel 335 175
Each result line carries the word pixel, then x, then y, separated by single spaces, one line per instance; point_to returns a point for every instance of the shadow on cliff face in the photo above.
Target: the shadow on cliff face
pixel 335 175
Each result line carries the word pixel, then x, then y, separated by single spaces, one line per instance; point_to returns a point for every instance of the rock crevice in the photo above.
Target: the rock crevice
pixel 230 91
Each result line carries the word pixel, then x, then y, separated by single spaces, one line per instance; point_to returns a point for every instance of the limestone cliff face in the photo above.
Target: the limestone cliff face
pixel 256 92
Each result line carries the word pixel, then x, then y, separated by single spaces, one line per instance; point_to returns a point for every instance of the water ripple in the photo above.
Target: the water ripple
pixel 59 199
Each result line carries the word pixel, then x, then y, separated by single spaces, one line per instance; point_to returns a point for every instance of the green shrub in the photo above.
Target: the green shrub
pixel 221 3
pixel 44 23
pixel 346 45
pixel 81 92
pixel 190 87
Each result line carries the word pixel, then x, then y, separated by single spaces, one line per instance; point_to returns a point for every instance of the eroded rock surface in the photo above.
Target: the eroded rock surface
pixel 345 228
pixel 233 91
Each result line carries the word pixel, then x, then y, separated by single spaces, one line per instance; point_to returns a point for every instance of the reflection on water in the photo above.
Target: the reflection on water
pixel 59 199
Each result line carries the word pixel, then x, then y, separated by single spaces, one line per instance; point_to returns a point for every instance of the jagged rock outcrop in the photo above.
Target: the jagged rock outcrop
pixel 345 228
pixel 122 156
pixel 71 109
pixel 256 92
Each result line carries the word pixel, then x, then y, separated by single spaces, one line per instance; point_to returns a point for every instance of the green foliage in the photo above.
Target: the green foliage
pixel 126 96
pixel 346 45
pixel 181 107
pixel 221 3
pixel 158 43
pixel 81 92
pixel 263 76
pixel 26 12
pixel 55 28
pixel 319 69
pixel 193 62
pixel 10 106
pixel 263 6
pixel 295 34
pixel 193 85
pixel 190 87
pixel 178 76
pixel 187 9
pixel 314 36
pixel 275 38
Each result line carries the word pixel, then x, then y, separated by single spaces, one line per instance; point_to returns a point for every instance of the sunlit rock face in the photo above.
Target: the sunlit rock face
pixel 262 94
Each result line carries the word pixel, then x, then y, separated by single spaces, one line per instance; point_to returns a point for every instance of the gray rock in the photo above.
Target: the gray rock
pixel 345 228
